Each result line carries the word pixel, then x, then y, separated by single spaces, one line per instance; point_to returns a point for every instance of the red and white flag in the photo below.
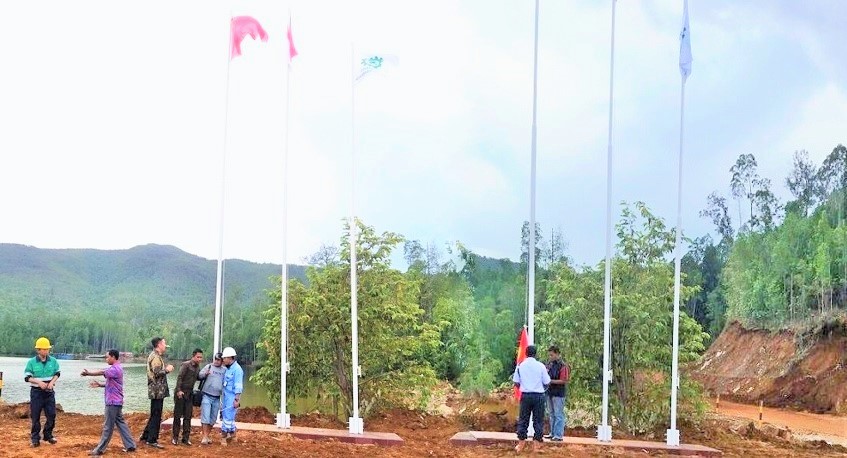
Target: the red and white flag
pixel 240 27
pixel 292 51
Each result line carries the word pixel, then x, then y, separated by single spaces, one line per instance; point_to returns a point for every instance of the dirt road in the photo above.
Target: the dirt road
pixel 828 427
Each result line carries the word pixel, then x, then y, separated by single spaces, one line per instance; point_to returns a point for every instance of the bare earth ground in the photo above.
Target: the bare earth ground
pixel 775 367
pixel 425 436
pixel 830 428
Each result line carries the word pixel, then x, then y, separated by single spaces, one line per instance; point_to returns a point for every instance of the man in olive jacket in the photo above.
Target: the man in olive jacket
pixel 183 407
pixel 157 390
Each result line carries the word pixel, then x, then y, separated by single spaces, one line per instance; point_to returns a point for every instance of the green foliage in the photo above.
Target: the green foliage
pixel 776 274
pixel 641 324
pixel 393 338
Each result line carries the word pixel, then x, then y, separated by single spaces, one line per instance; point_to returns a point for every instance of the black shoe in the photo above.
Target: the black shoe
pixel 174 442
pixel 52 440
pixel 35 444
pixel 548 436
pixel 155 445
pixel 556 439
pixel 129 450
pixel 186 442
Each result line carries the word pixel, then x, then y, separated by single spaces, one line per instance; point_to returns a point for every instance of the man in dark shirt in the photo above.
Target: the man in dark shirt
pixel 557 393
pixel 183 408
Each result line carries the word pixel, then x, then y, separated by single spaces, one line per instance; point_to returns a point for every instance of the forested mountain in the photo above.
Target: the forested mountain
pixel 89 300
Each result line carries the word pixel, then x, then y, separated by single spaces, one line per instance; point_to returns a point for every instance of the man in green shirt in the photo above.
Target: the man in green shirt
pixel 41 373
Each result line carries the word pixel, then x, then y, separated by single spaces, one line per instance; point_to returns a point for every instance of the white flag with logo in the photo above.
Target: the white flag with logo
pixel 370 63
pixel 685 58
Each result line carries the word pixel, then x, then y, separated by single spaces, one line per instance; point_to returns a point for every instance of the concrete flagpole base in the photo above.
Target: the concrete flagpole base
pixel 673 437
pixel 357 425
pixel 604 433
pixel 283 421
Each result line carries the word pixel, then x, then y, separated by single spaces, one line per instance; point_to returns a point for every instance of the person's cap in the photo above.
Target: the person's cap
pixel 228 352
pixel 219 356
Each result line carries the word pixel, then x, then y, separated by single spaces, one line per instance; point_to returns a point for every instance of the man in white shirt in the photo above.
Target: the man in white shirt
pixel 532 378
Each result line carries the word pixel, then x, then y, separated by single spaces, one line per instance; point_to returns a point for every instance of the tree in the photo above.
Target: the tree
pixel 832 176
pixel 702 266
pixel 767 206
pixel 642 237
pixel 393 339
pixel 325 256
pixel 413 253
pixel 641 327
pixel 803 184
pixel 553 250
pixel 743 183
pixel 718 212
pixel 747 184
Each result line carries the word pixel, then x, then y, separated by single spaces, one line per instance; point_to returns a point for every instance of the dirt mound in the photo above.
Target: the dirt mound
pixel 256 415
pixel 804 370
pixel 19 410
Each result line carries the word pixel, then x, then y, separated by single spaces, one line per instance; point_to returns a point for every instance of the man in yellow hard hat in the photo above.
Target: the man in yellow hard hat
pixel 41 373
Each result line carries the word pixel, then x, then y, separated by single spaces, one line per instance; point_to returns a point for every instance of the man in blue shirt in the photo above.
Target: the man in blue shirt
pixel 532 378
pixel 41 373
pixel 233 386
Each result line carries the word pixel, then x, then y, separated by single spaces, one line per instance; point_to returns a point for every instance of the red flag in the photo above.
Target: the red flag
pixel 523 342
pixel 292 51
pixel 240 27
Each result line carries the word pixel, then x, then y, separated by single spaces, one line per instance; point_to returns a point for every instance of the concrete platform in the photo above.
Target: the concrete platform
pixel 368 438
pixel 469 438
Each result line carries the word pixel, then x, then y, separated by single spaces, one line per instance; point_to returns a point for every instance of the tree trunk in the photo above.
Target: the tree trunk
pixel 791 300
pixel 342 375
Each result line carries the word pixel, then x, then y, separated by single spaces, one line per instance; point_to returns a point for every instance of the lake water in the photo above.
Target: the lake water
pixel 74 394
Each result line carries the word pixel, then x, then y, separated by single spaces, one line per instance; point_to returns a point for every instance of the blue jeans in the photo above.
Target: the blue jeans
pixel 556 409
pixel 209 409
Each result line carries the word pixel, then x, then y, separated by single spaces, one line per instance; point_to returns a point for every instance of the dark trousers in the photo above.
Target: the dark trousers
pixel 531 403
pixel 42 400
pixel 183 410
pixel 114 417
pixel 151 431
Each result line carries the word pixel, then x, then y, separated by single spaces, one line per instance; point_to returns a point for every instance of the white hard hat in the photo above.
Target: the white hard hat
pixel 228 352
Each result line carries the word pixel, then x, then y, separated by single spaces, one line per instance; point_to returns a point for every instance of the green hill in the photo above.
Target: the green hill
pixel 90 300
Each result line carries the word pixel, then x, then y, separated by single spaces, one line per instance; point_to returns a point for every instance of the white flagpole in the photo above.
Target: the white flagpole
pixel 673 432
pixel 685 69
pixel 604 431
pixel 531 245
pixel 356 425
pixel 283 419
pixel 219 281
pixel 530 282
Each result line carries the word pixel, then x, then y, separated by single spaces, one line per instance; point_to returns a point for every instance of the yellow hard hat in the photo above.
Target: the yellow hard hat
pixel 43 344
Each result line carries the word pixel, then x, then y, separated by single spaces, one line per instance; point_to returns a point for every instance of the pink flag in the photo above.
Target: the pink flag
pixel 292 51
pixel 241 26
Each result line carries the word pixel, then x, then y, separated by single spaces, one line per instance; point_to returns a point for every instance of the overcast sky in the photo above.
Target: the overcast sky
pixel 112 117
